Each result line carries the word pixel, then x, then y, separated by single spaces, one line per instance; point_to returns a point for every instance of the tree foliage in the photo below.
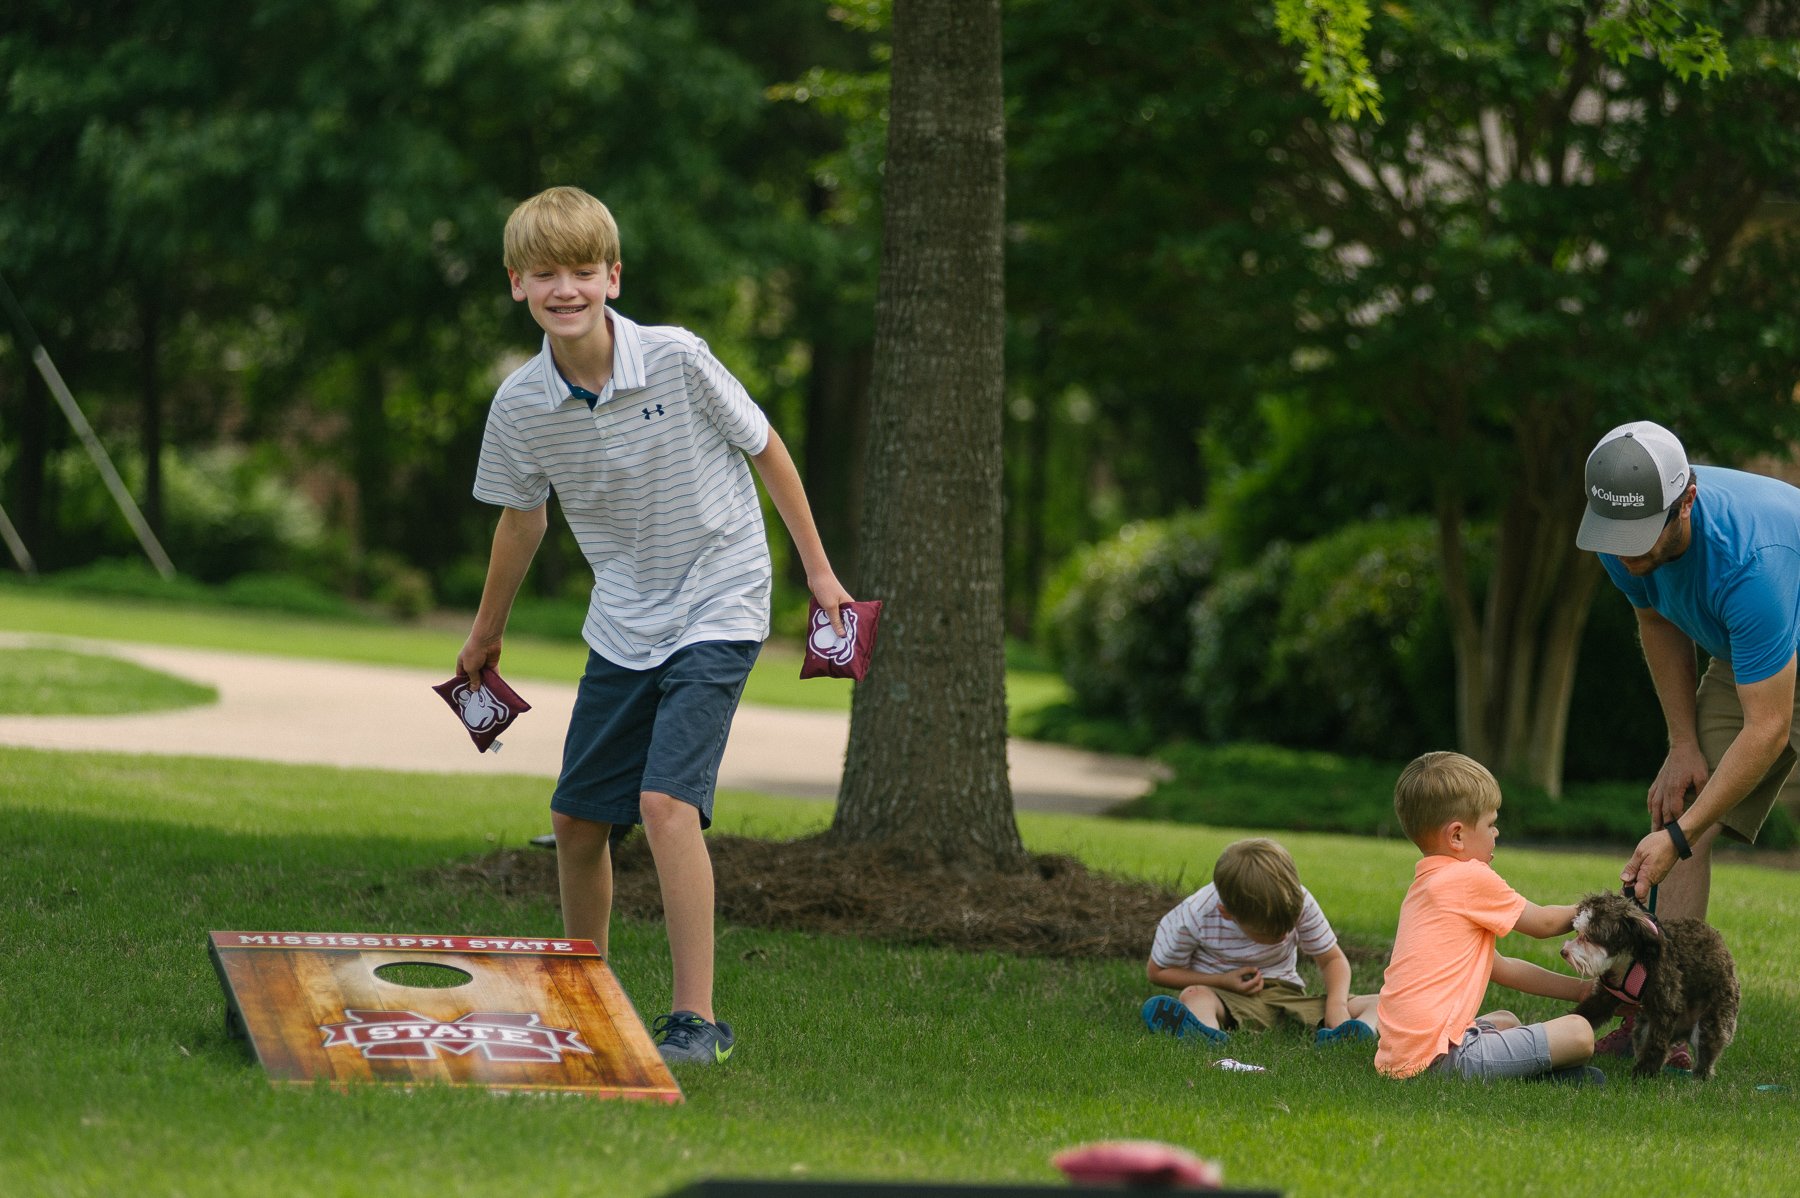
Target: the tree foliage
pixel 295 210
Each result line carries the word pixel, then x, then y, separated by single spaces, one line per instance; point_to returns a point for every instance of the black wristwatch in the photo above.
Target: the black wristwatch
pixel 1682 848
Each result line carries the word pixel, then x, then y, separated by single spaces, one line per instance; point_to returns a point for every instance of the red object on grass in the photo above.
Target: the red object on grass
pixel 1143 1163
pixel 832 656
pixel 486 711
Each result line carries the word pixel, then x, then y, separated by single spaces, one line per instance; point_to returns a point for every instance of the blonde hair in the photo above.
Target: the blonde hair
pixel 560 226
pixel 1438 788
pixel 1258 884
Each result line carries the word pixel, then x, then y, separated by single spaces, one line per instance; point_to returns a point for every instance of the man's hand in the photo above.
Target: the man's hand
pixel 1683 772
pixel 1650 864
pixel 1242 981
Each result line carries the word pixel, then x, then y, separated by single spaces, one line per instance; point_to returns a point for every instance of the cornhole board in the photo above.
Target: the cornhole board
pixel 534 1014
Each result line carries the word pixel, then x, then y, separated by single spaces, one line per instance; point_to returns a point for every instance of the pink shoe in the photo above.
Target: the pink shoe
pixel 1617 1043
pixel 1679 1058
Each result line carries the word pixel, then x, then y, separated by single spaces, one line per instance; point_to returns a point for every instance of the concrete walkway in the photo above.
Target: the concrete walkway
pixel 385 717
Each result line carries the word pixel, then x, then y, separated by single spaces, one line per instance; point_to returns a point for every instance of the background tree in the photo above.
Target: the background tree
pixel 926 769
pixel 1538 242
pixel 294 211
pixel 1544 235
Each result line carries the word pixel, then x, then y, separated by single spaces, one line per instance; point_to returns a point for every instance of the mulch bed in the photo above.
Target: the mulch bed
pixel 1057 907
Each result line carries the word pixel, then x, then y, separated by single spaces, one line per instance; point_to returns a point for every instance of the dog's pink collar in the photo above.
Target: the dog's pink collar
pixel 1631 986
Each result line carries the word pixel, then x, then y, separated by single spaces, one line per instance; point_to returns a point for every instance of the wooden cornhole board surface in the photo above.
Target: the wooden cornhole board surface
pixel 536 1014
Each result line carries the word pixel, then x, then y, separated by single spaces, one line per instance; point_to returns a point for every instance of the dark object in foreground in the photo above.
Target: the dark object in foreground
pixel 732 1188
pixel 487 710
pixel 1139 1164
pixel 1678 972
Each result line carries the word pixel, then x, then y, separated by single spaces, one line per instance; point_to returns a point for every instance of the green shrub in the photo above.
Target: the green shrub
pixel 225 512
pixel 1364 645
pixel 1340 644
pixel 1115 620
pixel 1343 644
pixel 398 586
pixel 1232 626
pixel 128 578
pixel 286 593
pixel 1247 785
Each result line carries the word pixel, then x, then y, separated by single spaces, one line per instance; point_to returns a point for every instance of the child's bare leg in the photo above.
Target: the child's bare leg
pixel 584 877
pixel 684 871
pixel 1503 1020
pixel 1571 1040
pixel 1362 1007
pixel 1207 1006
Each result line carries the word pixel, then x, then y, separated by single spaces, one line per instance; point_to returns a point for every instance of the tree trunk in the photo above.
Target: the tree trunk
pixel 926 769
pixel 1516 656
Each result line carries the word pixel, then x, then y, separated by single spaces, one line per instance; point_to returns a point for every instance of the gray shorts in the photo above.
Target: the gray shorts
pixel 1486 1052
pixel 661 729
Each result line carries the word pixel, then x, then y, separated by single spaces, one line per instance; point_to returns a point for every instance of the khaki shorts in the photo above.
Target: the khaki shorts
pixel 1258 1012
pixel 1718 718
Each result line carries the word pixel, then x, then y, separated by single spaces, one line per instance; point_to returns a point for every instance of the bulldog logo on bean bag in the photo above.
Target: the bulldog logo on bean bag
pixel 832 656
pixel 486 710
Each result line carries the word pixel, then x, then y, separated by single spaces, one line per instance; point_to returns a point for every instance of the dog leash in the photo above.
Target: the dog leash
pixel 1631 986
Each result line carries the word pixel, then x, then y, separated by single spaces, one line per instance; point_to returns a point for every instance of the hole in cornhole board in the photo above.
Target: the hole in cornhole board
pixel 503 1012
pixel 423 975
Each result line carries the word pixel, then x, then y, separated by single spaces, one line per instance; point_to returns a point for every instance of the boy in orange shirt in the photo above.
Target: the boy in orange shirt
pixel 1454 911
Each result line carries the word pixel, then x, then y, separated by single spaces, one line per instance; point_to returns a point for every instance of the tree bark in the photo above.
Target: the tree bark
pixel 1516 653
pixel 926 769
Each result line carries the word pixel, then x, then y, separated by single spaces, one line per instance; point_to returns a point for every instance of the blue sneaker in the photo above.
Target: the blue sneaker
pixel 682 1036
pixel 1163 1013
pixel 1344 1033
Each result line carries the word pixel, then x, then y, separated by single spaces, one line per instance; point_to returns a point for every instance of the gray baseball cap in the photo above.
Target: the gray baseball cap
pixel 1635 474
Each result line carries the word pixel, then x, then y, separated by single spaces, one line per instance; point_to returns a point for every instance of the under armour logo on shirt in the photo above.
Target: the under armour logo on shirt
pixel 659 411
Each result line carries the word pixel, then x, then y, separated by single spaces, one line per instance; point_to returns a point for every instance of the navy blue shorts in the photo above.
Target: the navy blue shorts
pixel 661 729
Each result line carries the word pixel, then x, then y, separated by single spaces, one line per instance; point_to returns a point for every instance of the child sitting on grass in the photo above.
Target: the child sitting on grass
pixel 1232 949
pixel 1454 911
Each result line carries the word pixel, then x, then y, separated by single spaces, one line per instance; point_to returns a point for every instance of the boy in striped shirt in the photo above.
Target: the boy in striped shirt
pixel 1232 949
pixel 648 442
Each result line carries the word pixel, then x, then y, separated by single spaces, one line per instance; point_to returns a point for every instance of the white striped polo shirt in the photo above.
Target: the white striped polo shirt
pixel 655 486
pixel 1195 936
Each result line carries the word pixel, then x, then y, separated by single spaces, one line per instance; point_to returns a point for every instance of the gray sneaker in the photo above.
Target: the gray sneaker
pixel 684 1036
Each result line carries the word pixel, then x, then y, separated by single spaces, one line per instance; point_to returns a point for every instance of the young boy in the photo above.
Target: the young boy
pixel 1232 948
pixel 643 436
pixel 1454 911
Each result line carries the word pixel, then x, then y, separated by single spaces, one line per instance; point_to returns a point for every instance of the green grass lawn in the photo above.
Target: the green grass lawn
pixel 55 682
pixel 856 1059
pixel 775 680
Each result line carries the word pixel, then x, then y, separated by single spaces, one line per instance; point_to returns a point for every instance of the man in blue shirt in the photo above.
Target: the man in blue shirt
pixel 1708 557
